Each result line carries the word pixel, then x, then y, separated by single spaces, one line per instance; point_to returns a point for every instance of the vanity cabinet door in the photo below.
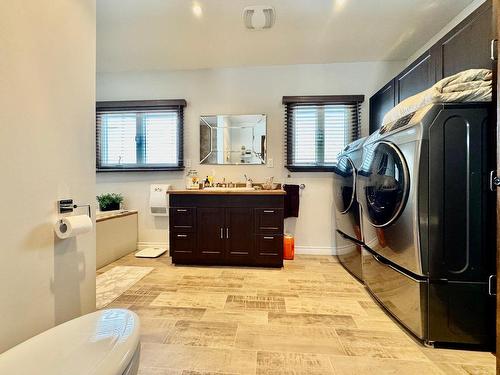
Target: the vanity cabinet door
pixel 211 234
pixel 239 235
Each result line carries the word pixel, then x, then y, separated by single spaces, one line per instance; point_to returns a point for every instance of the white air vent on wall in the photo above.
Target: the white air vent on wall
pixel 259 17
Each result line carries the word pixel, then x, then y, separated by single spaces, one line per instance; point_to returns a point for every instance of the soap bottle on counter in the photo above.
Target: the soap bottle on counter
pixel 207 182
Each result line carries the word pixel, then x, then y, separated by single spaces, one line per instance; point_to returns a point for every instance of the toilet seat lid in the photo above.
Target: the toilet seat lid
pixel 99 343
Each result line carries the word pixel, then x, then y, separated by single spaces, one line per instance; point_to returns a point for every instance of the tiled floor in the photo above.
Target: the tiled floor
pixel 311 317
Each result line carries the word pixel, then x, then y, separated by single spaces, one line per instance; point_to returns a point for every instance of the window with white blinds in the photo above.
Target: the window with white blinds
pixel 139 135
pixel 317 128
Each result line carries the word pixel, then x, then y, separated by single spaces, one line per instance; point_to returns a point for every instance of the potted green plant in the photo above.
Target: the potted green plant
pixel 109 201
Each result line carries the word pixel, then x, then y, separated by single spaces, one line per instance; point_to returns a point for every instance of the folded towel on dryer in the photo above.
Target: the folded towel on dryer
pixel 473 85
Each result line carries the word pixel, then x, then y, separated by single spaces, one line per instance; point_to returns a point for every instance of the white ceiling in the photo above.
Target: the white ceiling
pixel 167 35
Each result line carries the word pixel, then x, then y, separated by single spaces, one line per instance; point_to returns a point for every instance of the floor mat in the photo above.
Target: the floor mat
pixel 113 283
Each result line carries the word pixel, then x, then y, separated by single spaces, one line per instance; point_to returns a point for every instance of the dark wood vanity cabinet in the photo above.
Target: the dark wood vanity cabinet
pixel 466 46
pixel 227 229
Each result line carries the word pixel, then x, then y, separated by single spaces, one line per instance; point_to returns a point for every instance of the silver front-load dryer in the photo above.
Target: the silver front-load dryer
pixel 347 216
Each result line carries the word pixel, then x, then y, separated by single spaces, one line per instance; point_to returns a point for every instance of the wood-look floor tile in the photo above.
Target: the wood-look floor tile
pixel 202 333
pixel 158 371
pixel 199 358
pixel 348 366
pixel 376 324
pixel 210 281
pixel 302 319
pixel 155 329
pixel 202 300
pixel 167 312
pixel 275 363
pixel 194 372
pixel 234 302
pixel 287 322
pixel 245 316
pixel 464 369
pixel 379 344
pixel 318 305
pixel 321 340
pixel 459 356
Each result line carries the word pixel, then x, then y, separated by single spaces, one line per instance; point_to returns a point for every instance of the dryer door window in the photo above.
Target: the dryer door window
pixel 387 185
pixel 344 185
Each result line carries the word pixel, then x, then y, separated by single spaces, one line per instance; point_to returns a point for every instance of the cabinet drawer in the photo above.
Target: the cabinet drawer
pixel 182 246
pixel 269 220
pixel 270 245
pixel 269 250
pixel 182 219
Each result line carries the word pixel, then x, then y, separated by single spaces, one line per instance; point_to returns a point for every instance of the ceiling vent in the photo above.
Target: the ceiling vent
pixel 259 17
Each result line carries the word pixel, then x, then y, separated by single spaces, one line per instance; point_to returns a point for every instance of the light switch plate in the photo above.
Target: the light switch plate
pixel 270 163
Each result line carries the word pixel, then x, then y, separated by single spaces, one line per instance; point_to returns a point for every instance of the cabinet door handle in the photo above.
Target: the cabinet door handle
pixel 182 235
pixel 493 49
pixel 221 233
pixel 181 210
pixel 269 238
pixel 269 211
pixel 227 233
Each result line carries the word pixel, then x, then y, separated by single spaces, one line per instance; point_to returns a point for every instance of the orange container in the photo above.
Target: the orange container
pixel 288 247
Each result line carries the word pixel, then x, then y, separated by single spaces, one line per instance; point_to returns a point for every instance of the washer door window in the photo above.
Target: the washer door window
pixel 387 185
pixel 344 187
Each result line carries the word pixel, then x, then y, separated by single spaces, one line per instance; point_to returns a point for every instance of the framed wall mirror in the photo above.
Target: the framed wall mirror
pixel 233 139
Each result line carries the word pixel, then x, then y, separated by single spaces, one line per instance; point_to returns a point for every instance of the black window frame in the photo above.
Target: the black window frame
pixel 139 107
pixel 291 102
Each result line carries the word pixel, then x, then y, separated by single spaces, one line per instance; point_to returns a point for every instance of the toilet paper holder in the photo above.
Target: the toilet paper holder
pixel 65 206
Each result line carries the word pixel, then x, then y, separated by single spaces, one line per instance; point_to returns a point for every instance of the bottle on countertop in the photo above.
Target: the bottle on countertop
pixel 207 182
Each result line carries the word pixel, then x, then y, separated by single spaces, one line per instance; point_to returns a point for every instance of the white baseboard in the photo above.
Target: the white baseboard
pixel 314 250
pixel 143 245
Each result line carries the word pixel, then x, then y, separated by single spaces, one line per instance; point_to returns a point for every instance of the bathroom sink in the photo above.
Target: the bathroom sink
pixel 227 189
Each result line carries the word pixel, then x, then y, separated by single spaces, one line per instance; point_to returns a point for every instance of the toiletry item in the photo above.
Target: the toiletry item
pixel 71 226
pixel 206 183
pixel 249 183
pixel 192 181
pixel 269 185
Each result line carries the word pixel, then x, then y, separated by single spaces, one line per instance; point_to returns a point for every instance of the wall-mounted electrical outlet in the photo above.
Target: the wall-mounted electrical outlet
pixel 270 163
pixel 188 163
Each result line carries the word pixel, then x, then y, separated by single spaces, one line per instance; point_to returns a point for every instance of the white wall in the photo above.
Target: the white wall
pixel 47 85
pixel 241 91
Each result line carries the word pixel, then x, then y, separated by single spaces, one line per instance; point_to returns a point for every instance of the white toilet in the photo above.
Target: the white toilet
pixel 101 343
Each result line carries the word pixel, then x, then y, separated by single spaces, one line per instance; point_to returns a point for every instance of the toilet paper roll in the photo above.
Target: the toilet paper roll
pixel 71 226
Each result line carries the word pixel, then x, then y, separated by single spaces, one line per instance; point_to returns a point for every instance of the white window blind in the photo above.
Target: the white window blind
pixel 318 128
pixel 145 135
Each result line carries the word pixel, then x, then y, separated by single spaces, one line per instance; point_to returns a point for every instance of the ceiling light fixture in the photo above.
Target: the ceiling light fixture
pixel 259 17
pixel 197 11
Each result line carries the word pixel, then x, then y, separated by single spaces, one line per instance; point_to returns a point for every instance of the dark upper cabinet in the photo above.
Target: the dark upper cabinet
pixel 467 46
pixel 419 76
pixel 380 103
